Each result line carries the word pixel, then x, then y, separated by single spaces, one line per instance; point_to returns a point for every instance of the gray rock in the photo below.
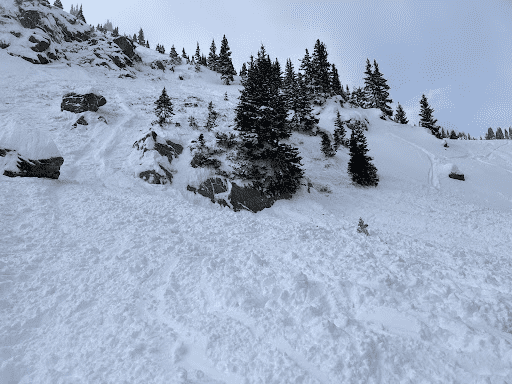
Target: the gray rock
pixel 81 121
pixel 126 46
pixel 76 103
pixel 43 168
pixel 157 64
pixel 42 44
pixel 457 176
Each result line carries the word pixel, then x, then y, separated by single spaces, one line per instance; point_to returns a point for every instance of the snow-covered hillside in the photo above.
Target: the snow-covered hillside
pixel 107 279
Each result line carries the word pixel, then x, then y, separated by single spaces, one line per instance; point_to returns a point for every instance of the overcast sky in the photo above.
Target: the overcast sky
pixel 458 53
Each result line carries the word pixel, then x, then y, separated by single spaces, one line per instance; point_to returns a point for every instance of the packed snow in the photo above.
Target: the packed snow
pixel 107 279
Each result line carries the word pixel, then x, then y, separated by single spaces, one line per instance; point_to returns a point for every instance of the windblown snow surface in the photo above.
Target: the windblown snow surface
pixel 107 279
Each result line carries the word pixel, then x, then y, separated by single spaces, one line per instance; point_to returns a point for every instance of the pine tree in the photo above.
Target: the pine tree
pixel 347 94
pixel 141 40
pixel 303 119
pixel 212 57
pixel 400 115
pixel 382 96
pixel 184 55
pixel 427 119
pixel 163 109
pixel 175 58
pixel 470 138
pixel 510 132
pixel 490 134
pixel 289 85
pixel 211 122
pixel 339 132
pixel 326 146
pixel 115 32
pixel 72 10
pixel 273 167
pixel 80 15
pixel 147 44
pixel 197 58
pixel 58 4
pixel 499 134
pixel 335 84
pixel 225 65
pixel 507 137
pixel 134 38
pixel 320 73
pixel 360 168
pixel 243 72
pixel 453 135
pixel 307 70
pixel 370 87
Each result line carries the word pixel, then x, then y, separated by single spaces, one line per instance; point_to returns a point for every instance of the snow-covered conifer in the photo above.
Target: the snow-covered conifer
pixel 360 168
pixel 213 115
pixel 163 109
pixel 175 58
pixel 197 58
pixel 224 63
pixel 339 132
pixel 320 73
pixel 499 134
pixel 115 32
pixel 243 72
pixel 80 15
pixel 273 167
pixel 426 117
pixel 382 97
pixel 370 87
pixel 141 40
pixel 400 115
pixel 335 84
pixel 307 70
pixel 327 149
pixel 490 134
pixel 58 4
pixel 505 132
pixel 289 85
pixel 212 57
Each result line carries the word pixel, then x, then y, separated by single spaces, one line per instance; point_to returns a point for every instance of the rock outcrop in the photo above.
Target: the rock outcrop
pixel 44 168
pixel 457 176
pixel 77 103
pixel 228 193
pixel 157 156
pixel 81 121
pixel 126 46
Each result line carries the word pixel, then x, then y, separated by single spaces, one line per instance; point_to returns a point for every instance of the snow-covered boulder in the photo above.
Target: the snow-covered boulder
pixel 78 103
pixel 228 193
pixel 28 152
pixel 455 173
pixel 152 161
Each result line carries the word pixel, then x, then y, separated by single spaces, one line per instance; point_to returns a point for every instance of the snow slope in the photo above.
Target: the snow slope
pixel 107 279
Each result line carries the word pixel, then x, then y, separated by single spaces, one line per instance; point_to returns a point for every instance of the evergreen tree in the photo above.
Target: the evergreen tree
pixel 160 49
pixel 115 32
pixel 490 134
pixel 72 10
pixel 273 167
pixel 469 137
pixel 370 87
pixel 184 55
pixel 243 72
pixel 134 38
pixel 507 137
pixel 58 4
pixel 80 15
pixel 303 119
pixel 212 57
pixel 147 44
pixel 320 81
pixel 307 70
pixel 499 134
pixel 347 94
pixel 426 117
pixel 360 168
pixel 510 132
pixel 225 65
pixel 289 85
pixel 163 109
pixel 326 146
pixel 211 122
pixel 443 133
pixel 197 58
pixel 400 115
pixel 175 59
pixel 335 84
pixel 141 40
pixel 453 135
pixel 339 132
pixel 277 75
pixel 382 97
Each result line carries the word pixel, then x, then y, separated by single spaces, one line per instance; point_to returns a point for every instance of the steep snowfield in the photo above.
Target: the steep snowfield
pixel 107 279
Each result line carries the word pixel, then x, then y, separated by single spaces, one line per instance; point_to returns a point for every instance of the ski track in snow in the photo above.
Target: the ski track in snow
pixel 106 279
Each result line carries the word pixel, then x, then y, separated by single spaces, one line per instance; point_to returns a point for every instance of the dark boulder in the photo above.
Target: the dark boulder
pixel 248 198
pixel 126 46
pixel 457 176
pixel 29 18
pixel 76 103
pixel 42 44
pixel 81 121
pixel 157 64
pixel 44 168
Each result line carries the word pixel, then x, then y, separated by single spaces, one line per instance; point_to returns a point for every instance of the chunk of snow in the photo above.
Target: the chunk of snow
pixel 29 142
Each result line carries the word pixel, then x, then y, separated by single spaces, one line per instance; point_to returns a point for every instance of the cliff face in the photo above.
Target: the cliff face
pixel 41 33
